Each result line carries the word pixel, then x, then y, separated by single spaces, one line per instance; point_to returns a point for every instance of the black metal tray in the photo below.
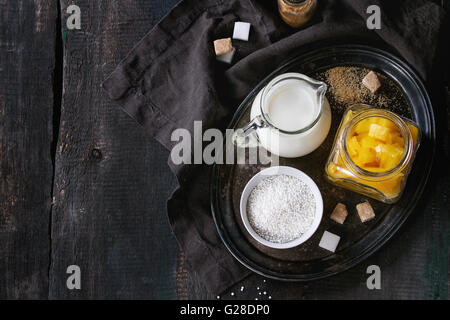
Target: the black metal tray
pixel 358 241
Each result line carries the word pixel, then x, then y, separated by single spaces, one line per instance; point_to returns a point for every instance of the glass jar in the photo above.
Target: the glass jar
pixel 382 183
pixel 297 13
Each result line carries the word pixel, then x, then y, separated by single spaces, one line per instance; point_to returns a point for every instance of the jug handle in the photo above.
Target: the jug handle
pixel 246 137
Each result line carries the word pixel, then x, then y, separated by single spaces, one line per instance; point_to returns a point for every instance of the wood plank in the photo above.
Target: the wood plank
pixel 27 50
pixel 112 180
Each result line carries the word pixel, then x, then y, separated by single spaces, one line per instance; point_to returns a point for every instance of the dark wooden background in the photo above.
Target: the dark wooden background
pixel 81 183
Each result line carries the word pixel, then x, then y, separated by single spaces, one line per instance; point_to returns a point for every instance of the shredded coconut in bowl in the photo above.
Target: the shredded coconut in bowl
pixel 281 208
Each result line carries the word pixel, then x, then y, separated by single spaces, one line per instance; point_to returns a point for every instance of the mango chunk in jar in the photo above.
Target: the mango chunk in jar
pixel 373 152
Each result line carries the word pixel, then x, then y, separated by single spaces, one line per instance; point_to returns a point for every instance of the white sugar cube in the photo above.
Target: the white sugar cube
pixel 241 31
pixel 329 241
pixel 227 57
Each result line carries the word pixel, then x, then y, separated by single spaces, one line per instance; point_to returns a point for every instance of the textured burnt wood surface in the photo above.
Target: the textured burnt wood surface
pixel 27 45
pixel 111 179
pixel 81 183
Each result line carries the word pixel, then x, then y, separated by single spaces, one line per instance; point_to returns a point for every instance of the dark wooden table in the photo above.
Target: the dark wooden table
pixel 82 184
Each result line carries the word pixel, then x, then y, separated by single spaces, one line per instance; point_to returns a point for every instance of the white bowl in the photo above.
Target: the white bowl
pixel 273 171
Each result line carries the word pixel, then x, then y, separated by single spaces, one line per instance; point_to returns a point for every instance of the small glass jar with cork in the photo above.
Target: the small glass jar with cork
pixel 297 13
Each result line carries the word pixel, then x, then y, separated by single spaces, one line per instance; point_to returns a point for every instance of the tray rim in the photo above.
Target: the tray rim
pixel 381 241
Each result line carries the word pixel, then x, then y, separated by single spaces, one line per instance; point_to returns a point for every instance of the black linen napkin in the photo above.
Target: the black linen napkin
pixel 171 79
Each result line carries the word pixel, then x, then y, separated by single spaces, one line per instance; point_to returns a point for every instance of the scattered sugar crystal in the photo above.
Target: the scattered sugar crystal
pixel 228 57
pixel 329 241
pixel 232 293
pixel 241 30
pixel 242 288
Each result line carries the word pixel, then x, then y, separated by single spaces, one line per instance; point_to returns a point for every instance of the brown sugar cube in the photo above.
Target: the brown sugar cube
pixel 339 213
pixel 371 82
pixel 365 211
pixel 222 46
